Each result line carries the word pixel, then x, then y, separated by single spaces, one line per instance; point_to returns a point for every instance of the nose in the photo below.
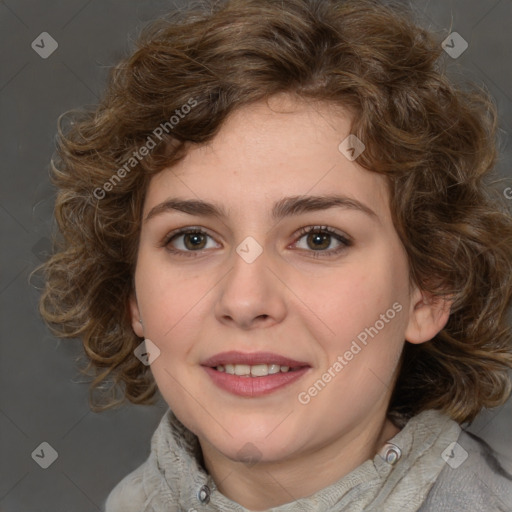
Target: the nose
pixel 251 295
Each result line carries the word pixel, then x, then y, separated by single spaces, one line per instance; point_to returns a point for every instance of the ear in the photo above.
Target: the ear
pixel 428 316
pixel 135 315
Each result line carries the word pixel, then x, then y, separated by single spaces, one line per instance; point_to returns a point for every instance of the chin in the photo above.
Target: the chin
pixel 250 441
pixel 252 451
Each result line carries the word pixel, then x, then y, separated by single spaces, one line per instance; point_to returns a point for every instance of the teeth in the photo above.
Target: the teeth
pixel 273 368
pixel 242 369
pixel 257 370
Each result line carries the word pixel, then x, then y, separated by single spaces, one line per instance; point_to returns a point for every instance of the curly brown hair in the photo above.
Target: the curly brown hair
pixel 434 140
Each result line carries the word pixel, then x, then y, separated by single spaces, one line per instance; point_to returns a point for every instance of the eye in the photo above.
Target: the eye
pixel 319 238
pixel 193 240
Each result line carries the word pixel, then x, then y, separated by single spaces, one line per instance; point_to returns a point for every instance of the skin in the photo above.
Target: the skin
pixel 286 301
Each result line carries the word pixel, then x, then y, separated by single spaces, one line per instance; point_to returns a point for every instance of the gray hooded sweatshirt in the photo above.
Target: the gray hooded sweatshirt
pixel 431 465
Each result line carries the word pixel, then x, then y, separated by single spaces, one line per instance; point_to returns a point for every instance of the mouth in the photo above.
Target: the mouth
pixel 257 370
pixel 252 375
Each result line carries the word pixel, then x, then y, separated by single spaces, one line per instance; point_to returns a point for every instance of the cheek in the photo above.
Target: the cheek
pixel 369 344
pixel 165 297
pixel 351 303
pixel 352 298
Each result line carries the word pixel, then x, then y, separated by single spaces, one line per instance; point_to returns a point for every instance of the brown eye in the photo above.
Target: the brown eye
pixel 186 242
pixel 194 240
pixel 320 238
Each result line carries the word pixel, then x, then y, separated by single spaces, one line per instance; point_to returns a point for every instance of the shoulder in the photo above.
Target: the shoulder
pixel 128 495
pixel 474 479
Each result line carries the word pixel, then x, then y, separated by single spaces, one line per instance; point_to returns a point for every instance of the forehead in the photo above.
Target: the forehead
pixel 264 152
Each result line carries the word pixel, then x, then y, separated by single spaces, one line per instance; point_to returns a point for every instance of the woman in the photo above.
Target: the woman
pixel 278 216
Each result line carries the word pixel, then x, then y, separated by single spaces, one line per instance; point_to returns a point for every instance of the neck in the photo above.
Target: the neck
pixel 269 484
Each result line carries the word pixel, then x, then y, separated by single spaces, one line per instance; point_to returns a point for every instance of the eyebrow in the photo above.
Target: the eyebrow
pixel 287 206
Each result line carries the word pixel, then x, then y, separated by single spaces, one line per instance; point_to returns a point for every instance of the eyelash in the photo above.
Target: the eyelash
pixel 345 242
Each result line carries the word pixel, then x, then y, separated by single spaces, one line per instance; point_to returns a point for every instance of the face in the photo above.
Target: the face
pixel 260 287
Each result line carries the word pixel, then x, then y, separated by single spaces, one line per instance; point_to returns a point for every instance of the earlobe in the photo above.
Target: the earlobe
pixel 427 317
pixel 135 316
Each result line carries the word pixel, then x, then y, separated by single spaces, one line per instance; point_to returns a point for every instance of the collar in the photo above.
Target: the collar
pixel 399 477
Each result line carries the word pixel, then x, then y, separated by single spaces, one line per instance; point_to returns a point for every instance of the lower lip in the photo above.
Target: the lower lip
pixel 254 386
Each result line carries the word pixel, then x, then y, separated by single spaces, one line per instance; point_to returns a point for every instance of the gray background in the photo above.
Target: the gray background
pixel 42 396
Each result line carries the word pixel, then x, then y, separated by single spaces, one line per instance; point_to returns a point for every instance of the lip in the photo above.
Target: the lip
pixel 252 387
pixel 234 357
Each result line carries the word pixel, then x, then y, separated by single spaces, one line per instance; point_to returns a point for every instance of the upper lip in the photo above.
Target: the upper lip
pixel 234 357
